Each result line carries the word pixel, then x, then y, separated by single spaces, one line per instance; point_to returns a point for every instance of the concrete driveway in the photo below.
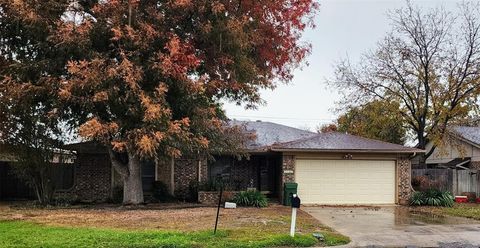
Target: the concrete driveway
pixel 396 226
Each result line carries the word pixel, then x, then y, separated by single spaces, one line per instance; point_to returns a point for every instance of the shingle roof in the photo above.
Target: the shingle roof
pixel 277 137
pixel 470 134
pixel 268 133
pixel 335 141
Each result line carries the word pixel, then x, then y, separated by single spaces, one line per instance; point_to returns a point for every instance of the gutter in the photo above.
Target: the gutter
pixel 343 150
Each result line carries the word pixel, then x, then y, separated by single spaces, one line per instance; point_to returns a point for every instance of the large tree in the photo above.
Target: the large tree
pixel 429 63
pixel 29 124
pixel 374 120
pixel 31 136
pixel 146 78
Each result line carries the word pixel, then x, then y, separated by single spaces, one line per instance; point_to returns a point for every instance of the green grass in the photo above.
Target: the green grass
pixel 463 210
pixel 332 239
pixel 467 210
pixel 27 234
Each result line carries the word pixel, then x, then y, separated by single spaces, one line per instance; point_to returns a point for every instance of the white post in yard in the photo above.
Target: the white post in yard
pixel 294 220
pixel 295 205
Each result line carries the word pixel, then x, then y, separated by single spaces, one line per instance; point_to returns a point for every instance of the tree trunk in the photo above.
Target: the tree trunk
pixel 422 143
pixel 132 183
pixel 131 173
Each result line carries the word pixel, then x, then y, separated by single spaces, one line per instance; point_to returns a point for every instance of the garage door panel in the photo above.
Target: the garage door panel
pixel 346 181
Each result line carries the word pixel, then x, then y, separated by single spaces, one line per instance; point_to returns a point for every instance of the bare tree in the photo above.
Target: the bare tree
pixel 429 62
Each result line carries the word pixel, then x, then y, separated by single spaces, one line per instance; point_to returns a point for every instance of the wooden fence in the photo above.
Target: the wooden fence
pixel 455 181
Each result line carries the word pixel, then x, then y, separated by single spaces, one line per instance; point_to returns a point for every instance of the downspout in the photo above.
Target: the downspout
pixel 414 154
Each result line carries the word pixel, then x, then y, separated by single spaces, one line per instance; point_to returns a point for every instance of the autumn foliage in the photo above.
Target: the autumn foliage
pixel 428 64
pixel 146 77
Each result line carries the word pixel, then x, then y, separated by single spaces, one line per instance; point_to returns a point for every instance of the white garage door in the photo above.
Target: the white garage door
pixel 345 181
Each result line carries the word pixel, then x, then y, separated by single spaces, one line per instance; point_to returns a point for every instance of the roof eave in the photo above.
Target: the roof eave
pixel 347 150
pixel 470 142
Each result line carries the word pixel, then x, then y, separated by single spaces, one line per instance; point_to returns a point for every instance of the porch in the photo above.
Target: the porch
pixel 260 171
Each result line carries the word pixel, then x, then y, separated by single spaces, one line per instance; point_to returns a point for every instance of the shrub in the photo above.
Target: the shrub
pixel 432 197
pixel 251 198
pixel 424 183
pixel 211 185
pixel 65 200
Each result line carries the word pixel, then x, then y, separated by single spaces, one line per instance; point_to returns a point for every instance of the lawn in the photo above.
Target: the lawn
pixel 113 226
pixel 469 210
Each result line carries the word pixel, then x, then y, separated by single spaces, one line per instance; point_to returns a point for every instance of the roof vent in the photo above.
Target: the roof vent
pixel 259 120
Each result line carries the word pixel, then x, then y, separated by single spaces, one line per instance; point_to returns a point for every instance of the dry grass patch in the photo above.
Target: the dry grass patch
pixel 242 224
pixel 274 218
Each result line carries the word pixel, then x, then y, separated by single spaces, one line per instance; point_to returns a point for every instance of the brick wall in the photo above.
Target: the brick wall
pixel 211 197
pixel 404 180
pixel 288 168
pixel 287 173
pixel 187 171
pixel 93 178
pixel 203 170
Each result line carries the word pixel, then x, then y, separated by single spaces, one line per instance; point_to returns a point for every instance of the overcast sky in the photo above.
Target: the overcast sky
pixel 343 27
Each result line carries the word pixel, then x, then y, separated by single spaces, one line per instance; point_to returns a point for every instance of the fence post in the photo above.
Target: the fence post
pixel 451 181
pixel 455 182
pixel 478 183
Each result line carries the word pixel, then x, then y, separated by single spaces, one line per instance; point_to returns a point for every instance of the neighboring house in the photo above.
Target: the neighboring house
pixel 461 148
pixel 12 188
pixel 330 168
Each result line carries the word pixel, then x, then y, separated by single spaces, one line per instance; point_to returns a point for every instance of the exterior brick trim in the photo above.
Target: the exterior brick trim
pixel 211 197
pixel 92 178
pixel 404 180
pixel 287 172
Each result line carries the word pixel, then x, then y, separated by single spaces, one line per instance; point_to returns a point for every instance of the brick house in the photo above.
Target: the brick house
pixel 330 168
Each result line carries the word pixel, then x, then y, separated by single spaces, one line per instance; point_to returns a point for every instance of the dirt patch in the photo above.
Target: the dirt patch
pixel 275 218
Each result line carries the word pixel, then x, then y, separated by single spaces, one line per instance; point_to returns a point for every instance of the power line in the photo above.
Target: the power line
pixel 280 118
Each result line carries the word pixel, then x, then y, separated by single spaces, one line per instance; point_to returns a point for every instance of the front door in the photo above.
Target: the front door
pixel 267 171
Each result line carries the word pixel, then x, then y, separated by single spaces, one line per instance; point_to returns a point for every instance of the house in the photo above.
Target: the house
pixel 330 168
pixel 13 188
pixel 454 164
pixel 461 147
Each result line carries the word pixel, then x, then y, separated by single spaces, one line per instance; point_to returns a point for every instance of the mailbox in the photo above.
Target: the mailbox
pixel 295 201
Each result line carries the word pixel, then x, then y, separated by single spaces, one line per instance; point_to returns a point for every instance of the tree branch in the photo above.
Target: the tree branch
pixel 120 167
